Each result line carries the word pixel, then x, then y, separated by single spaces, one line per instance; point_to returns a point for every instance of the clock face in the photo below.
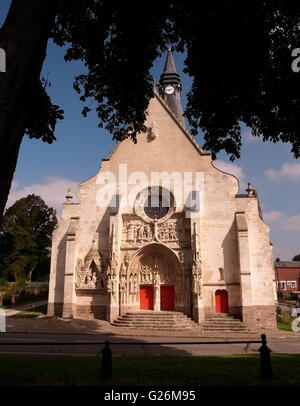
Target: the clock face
pixel 169 89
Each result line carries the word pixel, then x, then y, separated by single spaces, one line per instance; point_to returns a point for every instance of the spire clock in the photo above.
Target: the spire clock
pixel 170 86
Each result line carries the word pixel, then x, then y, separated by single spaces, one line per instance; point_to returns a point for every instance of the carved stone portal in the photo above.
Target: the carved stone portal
pixel 156 269
pixel 154 265
pixel 89 272
pixel 136 233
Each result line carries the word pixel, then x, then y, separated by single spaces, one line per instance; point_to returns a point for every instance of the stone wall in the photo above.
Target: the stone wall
pixel 226 255
pixel 259 318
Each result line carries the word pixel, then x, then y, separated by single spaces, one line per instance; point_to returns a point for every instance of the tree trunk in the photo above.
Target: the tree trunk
pixel 24 38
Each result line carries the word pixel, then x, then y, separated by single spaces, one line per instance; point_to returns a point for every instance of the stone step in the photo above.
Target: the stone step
pixel 170 321
pixel 160 316
pixel 221 318
pixel 224 323
pixel 152 327
pixel 241 328
pixel 160 313
pixel 220 315
pixel 153 317
pixel 146 329
pixel 160 319
pixel 176 321
pixel 151 322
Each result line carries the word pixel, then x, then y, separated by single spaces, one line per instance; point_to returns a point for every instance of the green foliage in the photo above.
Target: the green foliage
pixel 25 241
pixel 283 317
pixel 296 258
pixel 284 326
pixel 26 315
pixel 278 313
pixel 42 122
pixel 238 53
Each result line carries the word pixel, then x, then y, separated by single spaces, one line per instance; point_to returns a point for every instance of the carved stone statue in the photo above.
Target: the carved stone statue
pixel 197 274
pixel 181 256
pixel 123 289
pixel 131 284
pixel 125 263
pixel 141 233
pixel 196 284
pixel 114 285
pixel 135 233
pixel 109 283
pixel 89 271
pixel 135 284
pixel 80 273
pixel 156 279
pixel 90 280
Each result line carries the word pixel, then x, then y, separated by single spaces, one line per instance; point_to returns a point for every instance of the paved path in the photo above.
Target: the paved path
pixel 26 307
pixel 286 345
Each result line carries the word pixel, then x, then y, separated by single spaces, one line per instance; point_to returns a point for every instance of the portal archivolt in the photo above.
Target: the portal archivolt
pixel 154 267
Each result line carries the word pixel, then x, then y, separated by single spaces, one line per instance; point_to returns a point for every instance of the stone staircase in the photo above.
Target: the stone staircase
pixel 151 320
pixel 224 323
pixel 165 321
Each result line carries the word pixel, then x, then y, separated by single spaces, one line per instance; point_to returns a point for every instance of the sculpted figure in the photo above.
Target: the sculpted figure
pixel 196 284
pixel 109 283
pixel 135 284
pixel 156 279
pixel 80 273
pixel 94 279
pixel 123 289
pixel 141 232
pixel 125 263
pixel 114 285
pixel 131 284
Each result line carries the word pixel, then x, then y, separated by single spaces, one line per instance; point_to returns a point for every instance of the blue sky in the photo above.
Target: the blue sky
pixel 49 170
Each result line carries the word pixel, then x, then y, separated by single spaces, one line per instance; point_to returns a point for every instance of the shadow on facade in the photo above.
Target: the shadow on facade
pixel 231 281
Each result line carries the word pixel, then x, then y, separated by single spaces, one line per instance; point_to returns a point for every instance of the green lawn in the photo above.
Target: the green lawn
pixel 26 315
pixel 28 300
pixel 147 371
pixel 284 326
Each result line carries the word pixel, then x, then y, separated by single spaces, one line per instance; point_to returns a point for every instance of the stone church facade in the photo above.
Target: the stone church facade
pixel 174 233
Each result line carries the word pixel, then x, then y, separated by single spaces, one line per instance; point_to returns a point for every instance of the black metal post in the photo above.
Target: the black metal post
pixel 106 367
pixel 265 359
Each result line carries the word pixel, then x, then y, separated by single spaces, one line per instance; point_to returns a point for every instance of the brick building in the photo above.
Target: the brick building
pixel 287 274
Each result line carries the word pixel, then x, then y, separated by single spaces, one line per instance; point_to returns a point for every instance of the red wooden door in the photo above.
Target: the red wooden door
pixel 167 297
pixel 146 297
pixel 221 301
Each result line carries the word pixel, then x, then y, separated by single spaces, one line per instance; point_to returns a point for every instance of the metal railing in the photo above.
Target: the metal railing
pixel 106 366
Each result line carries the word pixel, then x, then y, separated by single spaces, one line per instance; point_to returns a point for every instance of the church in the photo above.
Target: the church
pixel 160 229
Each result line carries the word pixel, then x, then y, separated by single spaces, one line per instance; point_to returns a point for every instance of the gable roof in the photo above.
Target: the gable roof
pixel 176 120
pixel 180 124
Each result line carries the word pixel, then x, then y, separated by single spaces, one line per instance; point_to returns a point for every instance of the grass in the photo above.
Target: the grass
pixel 36 311
pixel 40 309
pixel 284 326
pixel 26 315
pixel 36 370
pixel 27 300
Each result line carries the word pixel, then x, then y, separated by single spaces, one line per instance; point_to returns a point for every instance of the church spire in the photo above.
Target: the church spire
pixel 170 86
